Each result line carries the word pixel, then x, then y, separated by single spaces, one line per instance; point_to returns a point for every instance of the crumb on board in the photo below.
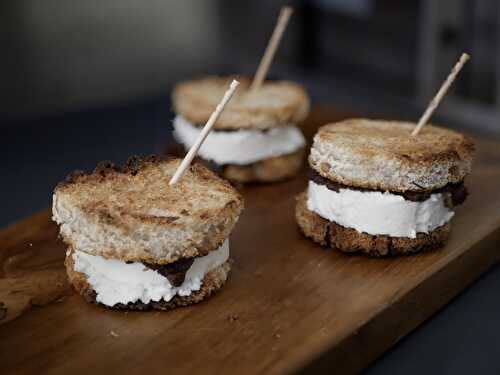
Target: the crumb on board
pixel 233 318
pixel 114 334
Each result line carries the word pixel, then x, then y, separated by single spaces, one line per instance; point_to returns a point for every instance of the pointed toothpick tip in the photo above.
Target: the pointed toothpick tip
pixel 440 94
pixel 272 46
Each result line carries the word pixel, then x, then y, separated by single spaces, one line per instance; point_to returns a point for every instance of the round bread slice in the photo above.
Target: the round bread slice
pixel 272 169
pixel 275 103
pixel 382 155
pixel 348 240
pixel 132 213
pixel 212 282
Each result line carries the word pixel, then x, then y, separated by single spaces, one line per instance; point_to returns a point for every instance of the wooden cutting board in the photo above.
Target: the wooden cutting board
pixel 288 305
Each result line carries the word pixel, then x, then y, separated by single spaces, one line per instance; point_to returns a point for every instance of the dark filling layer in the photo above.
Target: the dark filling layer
pixel 456 193
pixel 174 272
pixel 232 130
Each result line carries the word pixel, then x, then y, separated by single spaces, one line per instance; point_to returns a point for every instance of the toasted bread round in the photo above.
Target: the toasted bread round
pixel 273 169
pixel 382 155
pixel 275 103
pixel 212 282
pixel 132 214
pixel 348 240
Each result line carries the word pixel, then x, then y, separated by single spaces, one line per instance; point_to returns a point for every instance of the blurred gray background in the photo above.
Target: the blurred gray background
pixel 386 57
pixel 84 81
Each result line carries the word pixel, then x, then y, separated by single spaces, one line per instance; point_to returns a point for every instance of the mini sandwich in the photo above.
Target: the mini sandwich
pixel 134 242
pixel 377 190
pixel 256 139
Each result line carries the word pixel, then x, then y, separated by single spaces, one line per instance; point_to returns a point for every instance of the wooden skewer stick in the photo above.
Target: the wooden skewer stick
pixel 204 132
pixel 271 48
pixel 440 94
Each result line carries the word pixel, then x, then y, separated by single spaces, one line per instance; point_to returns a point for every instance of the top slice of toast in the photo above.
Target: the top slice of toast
pixel 133 214
pixel 382 155
pixel 275 103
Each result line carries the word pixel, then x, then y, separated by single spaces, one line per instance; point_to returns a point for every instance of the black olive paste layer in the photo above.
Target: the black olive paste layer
pixel 457 193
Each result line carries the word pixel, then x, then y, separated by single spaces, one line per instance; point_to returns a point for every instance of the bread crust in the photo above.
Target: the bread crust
pixel 272 169
pixel 268 170
pixel 212 282
pixel 381 155
pixel 276 103
pixel 348 240
pixel 132 214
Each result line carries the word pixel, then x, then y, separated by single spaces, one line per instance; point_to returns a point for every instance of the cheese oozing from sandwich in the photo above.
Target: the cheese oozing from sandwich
pixel 241 147
pixel 116 281
pixel 378 213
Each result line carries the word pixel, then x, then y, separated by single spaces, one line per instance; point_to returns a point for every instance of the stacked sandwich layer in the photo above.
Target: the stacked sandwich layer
pixel 135 242
pixel 375 189
pixel 256 138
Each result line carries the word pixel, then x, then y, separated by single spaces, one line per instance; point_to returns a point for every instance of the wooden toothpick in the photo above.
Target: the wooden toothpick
pixel 440 94
pixel 204 132
pixel 271 48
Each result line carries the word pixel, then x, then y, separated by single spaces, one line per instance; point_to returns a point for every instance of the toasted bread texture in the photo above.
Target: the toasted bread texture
pixel 273 169
pixel 348 240
pixel 212 282
pixel 275 103
pixel 382 155
pixel 132 214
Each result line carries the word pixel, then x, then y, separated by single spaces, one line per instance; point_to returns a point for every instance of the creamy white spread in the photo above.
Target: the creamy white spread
pixel 378 213
pixel 115 281
pixel 244 146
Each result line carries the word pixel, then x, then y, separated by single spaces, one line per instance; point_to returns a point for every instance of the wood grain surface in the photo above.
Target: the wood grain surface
pixel 288 305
